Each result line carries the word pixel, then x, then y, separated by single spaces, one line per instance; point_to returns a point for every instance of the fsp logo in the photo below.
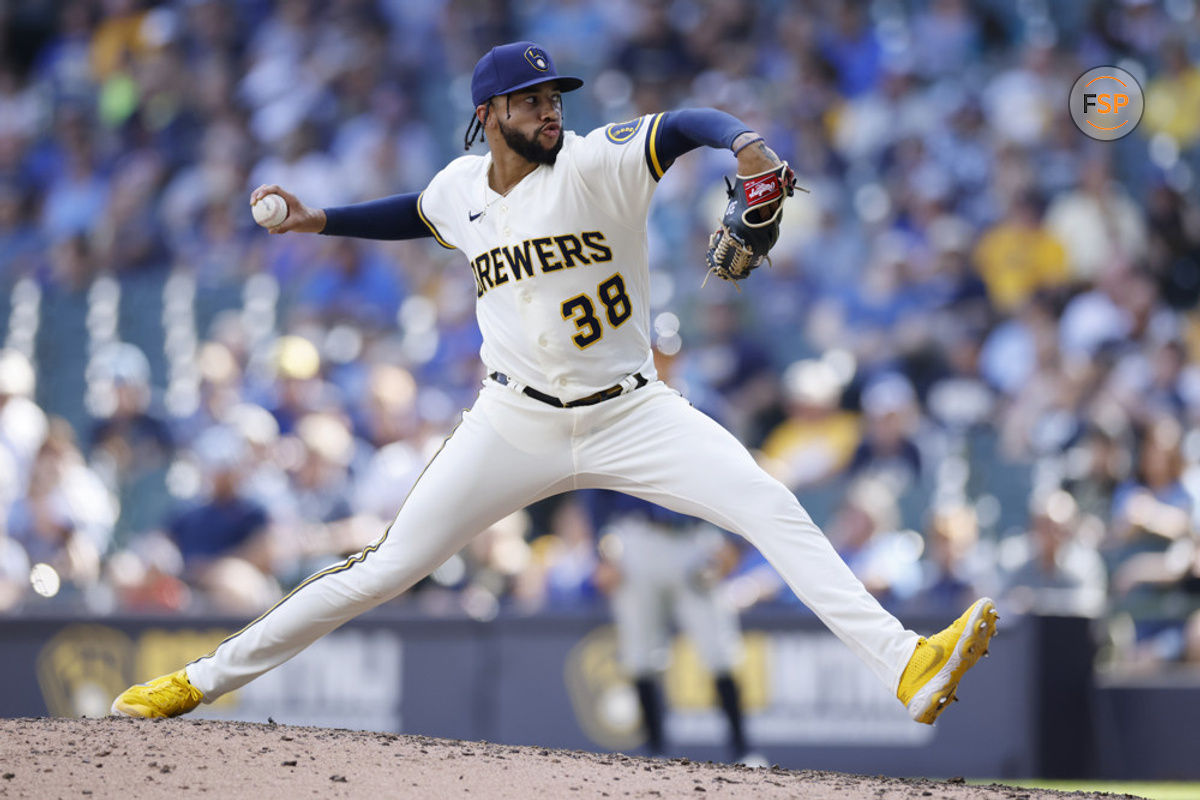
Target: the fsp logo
pixel 1106 103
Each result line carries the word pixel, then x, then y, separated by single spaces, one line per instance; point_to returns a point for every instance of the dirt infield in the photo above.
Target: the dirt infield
pixel 123 758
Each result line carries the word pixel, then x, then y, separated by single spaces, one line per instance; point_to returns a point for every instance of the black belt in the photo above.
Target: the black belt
pixel 590 400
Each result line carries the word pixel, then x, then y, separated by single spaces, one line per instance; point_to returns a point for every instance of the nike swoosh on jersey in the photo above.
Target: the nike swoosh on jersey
pixel 472 217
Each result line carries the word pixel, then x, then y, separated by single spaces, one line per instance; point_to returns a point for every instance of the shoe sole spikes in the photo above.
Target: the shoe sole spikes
pixel 972 645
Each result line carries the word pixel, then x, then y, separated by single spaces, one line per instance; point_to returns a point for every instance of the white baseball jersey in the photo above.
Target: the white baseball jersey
pixel 560 262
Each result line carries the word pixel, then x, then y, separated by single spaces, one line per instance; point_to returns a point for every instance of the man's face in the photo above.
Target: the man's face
pixel 531 122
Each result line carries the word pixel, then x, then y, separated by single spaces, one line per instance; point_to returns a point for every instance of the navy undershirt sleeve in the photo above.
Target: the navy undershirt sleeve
pixel 394 217
pixel 685 130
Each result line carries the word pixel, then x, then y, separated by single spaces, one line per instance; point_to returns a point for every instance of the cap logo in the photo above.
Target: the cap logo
pixel 537 58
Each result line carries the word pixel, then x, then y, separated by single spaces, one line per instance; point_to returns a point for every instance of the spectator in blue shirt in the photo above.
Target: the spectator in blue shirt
pixel 223 536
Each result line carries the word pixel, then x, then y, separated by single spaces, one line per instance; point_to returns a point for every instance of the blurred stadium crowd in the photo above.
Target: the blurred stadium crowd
pixel 974 357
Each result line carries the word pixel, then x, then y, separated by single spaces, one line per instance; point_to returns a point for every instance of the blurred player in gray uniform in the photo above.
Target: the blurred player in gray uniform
pixel 663 568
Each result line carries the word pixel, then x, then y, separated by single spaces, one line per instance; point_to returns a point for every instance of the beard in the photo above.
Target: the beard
pixel 531 149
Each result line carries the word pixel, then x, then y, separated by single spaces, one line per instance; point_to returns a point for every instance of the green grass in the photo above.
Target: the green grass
pixel 1151 790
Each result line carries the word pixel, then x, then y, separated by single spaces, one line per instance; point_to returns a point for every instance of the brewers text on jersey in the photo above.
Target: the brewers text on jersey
pixel 550 253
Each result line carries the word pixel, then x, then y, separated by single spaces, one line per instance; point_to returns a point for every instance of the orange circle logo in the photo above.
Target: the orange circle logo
pixel 1106 103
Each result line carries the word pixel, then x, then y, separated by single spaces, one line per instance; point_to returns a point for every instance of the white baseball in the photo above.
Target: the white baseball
pixel 270 210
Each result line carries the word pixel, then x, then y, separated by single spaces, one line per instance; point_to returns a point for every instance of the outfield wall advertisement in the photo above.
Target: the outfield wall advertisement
pixel 555 681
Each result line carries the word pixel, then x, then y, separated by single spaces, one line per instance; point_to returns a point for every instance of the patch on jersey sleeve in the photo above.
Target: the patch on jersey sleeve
pixel 622 132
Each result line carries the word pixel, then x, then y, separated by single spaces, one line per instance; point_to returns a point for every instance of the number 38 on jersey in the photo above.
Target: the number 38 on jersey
pixel 580 308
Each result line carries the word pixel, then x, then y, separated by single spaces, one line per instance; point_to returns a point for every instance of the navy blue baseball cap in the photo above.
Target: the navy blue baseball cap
pixel 515 66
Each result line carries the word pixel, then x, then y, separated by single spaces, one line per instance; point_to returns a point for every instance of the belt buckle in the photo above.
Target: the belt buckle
pixel 590 400
pixel 597 397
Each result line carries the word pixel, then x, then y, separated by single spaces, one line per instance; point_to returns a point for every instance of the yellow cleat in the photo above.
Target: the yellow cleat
pixel 931 678
pixel 168 696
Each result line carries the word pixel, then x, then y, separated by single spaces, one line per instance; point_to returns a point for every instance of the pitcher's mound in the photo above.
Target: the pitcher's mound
pixel 182 758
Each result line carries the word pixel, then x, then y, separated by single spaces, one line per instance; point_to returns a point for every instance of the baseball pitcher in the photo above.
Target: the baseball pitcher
pixel 553 228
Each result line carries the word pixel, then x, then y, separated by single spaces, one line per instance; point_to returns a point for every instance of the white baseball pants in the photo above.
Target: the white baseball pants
pixel 510 451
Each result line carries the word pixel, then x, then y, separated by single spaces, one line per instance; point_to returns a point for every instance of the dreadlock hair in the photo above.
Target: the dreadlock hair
pixel 475 127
